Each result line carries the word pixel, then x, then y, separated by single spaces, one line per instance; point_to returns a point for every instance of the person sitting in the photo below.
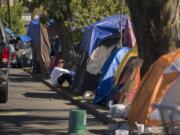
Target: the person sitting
pixel 54 61
pixel 59 74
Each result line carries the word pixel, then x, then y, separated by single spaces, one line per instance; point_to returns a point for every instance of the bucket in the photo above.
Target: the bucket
pixel 77 122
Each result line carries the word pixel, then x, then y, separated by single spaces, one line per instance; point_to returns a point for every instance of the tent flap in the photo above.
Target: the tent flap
pixel 104 89
pixel 24 38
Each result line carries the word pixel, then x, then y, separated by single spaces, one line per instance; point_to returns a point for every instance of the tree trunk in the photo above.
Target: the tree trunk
pixel 66 42
pixel 156 28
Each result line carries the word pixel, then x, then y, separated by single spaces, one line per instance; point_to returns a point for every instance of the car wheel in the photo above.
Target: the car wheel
pixel 4 93
pixel 14 65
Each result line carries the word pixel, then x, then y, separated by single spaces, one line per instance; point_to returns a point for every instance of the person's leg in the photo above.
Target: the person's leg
pixel 61 79
pixel 65 77
pixel 68 78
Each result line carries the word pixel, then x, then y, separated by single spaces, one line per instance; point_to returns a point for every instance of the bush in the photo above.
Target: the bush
pixel 17 25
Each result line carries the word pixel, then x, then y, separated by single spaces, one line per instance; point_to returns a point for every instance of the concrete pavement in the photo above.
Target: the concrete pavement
pixel 98 111
pixel 33 108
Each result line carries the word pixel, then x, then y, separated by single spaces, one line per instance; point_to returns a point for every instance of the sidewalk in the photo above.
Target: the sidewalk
pixel 33 108
pixel 99 112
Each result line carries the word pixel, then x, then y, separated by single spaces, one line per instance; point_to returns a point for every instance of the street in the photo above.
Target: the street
pixel 33 108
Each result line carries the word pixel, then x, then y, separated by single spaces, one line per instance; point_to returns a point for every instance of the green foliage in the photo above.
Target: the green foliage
pixel 73 15
pixel 17 25
pixel 76 14
pixel 89 11
pixel 33 6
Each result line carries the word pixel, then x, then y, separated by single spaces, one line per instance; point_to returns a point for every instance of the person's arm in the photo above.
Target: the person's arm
pixel 64 71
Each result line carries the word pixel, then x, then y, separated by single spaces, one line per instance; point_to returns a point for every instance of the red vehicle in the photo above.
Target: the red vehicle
pixel 4 64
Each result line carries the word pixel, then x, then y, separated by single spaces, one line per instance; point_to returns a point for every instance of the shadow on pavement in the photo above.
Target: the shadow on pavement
pixel 42 95
pixel 23 78
pixel 29 124
pixel 19 125
pixel 99 131
pixel 39 121
pixel 31 110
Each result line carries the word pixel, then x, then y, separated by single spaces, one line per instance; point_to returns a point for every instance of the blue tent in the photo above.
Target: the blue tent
pixel 34 31
pixel 93 36
pixel 101 30
pixel 24 38
pixel 103 91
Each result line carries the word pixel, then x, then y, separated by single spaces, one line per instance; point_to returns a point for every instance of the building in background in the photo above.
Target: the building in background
pixel 4 2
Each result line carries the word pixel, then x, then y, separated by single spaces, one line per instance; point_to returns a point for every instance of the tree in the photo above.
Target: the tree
pixel 73 15
pixel 32 5
pixel 17 25
pixel 156 24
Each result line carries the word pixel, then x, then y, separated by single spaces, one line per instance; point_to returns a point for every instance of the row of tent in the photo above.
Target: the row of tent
pixel 160 86
pixel 113 69
pixel 102 56
pixel 41 35
pixel 102 53
pixel 114 73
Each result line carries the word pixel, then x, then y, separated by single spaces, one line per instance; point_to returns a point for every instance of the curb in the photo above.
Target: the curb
pixel 99 114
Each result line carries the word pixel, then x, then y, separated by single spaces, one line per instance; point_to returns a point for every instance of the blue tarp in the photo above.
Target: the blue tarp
pixel 103 91
pixel 24 38
pixel 101 30
pixel 34 31
pixel 10 32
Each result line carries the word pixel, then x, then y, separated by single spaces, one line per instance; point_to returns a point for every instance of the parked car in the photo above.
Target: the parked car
pixel 4 64
pixel 13 40
pixel 24 55
pixel 13 59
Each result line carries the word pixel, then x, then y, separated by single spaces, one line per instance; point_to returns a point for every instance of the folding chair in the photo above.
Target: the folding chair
pixel 169 114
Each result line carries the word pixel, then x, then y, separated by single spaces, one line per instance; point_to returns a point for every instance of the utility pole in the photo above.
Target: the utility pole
pixel 9 13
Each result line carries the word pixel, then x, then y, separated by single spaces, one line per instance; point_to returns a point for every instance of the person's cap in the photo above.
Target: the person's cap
pixel 61 61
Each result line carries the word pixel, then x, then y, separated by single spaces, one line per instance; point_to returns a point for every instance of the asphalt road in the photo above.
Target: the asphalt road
pixel 33 108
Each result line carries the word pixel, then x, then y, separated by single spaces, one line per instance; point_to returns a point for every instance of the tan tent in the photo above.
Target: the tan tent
pixel 160 85
pixel 41 35
pixel 44 50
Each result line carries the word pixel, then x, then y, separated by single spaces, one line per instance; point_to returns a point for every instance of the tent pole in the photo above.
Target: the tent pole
pixel 122 11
